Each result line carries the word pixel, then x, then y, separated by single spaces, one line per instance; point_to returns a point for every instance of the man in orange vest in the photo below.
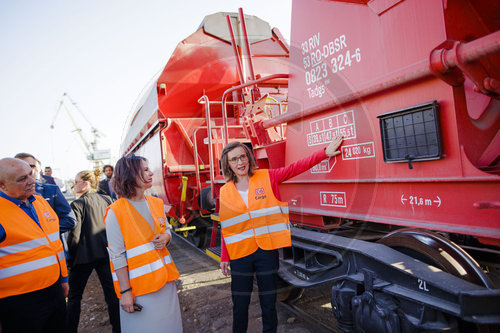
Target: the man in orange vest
pixel 33 276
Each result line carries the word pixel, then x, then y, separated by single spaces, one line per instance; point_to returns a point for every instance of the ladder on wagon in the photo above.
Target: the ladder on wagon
pixel 246 125
pixel 248 132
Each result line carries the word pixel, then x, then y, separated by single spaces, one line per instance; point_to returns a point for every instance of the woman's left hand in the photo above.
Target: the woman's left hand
pixel 160 241
pixel 333 147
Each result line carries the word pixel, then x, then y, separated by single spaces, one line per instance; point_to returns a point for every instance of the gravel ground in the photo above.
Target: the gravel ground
pixel 204 295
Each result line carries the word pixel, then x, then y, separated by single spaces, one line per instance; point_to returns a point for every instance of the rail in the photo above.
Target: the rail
pixel 235 49
pixel 210 152
pixel 247 56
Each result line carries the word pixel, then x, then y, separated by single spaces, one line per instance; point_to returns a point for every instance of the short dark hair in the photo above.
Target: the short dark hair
pixel 226 169
pixel 47 167
pixel 22 156
pixel 107 166
pixel 127 169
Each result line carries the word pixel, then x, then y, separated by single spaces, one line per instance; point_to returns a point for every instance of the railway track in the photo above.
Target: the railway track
pixel 310 313
pixel 320 322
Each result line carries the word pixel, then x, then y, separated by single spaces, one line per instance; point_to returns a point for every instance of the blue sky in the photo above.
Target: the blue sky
pixel 102 53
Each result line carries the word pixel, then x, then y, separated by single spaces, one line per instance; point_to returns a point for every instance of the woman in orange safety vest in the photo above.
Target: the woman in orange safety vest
pixel 254 224
pixel 142 268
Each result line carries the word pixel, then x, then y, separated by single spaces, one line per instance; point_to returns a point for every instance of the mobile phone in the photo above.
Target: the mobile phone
pixel 137 307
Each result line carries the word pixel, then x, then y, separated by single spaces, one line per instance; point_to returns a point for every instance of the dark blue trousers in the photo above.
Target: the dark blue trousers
pixel 40 311
pixel 265 265
pixel 78 277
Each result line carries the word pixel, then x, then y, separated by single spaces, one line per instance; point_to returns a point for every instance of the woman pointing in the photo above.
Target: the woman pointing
pixel 254 224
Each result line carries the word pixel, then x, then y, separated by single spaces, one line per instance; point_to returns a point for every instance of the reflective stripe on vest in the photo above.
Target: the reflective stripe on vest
pixel 255 213
pixel 27 267
pixel 29 245
pixel 269 229
pixel 146 268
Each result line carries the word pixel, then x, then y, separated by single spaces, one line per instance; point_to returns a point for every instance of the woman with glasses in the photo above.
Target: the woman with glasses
pixel 143 271
pixel 87 248
pixel 254 224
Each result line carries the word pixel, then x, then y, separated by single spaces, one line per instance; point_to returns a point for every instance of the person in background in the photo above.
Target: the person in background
pixel 33 275
pixel 137 238
pixel 104 185
pixel 47 171
pixel 254 224
pixel 45 179
pixel 87 248
pixel 51 179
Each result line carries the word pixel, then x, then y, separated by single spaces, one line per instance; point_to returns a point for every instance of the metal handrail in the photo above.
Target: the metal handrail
pixel 241 86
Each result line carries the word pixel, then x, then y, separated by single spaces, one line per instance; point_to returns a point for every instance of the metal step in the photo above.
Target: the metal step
pixel 214 252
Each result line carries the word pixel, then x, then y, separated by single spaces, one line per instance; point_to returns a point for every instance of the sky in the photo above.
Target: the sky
pixel 102 54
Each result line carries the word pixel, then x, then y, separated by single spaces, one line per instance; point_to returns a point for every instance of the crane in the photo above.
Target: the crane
pixel 93 154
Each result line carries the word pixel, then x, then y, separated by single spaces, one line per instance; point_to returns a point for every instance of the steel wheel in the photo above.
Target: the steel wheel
pixel 436 250
pixel 288 293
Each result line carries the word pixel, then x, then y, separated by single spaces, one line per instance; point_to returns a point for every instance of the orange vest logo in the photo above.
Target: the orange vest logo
pixel 259 194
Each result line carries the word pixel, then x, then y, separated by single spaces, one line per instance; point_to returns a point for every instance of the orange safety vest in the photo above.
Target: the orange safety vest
pixel 264 223
pixel 31 256
pixel 148 268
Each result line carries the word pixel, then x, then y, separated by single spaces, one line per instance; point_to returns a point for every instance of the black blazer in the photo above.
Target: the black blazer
pixel 104 187
pixel 87 242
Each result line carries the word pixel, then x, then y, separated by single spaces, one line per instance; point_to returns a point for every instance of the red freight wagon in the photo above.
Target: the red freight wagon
pixel 405 222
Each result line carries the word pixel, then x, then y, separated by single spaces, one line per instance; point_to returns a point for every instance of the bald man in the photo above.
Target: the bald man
pixel 33 275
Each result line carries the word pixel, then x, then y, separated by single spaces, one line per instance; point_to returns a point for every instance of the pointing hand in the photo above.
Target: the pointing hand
pixel 333 147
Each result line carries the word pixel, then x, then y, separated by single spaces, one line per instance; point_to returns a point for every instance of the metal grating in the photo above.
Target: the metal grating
pixel 411 134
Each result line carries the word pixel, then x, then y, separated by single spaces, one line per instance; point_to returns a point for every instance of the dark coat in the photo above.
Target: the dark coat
pixel 87 242
pixel 104 187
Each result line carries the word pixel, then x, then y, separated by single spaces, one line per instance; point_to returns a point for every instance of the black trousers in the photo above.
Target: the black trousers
pixel 41 311
pixel 78 277
pixel 265 265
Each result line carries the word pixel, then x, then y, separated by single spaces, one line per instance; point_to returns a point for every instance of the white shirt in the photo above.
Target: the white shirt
pixel 244 196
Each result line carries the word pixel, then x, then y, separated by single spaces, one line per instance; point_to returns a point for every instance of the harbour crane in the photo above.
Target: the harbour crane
pixel 93 154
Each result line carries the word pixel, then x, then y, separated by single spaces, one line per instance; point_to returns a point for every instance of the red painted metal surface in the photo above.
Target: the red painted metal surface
pixel 350 62
pixel 365 62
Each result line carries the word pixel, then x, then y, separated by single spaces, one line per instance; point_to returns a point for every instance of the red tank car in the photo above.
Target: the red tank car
pixel 420 142
pixel 169 123
pixel 413 86
pixel 405 223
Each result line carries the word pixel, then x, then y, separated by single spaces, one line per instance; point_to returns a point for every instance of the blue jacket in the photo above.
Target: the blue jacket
pixel 47 180
pixel 56 200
